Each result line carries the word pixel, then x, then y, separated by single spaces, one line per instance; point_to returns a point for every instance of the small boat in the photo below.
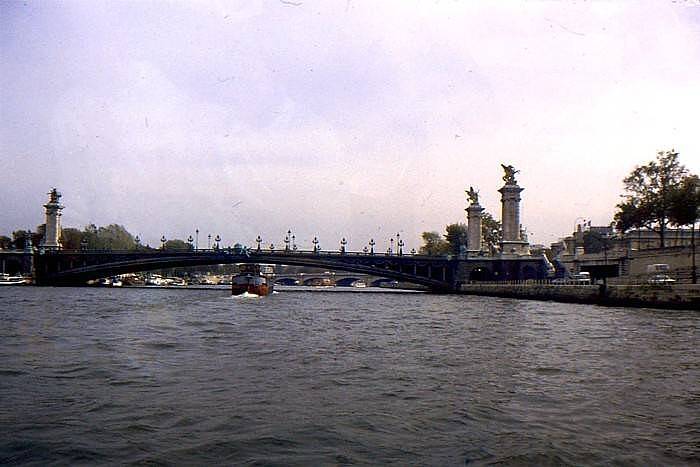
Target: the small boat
pixel 6 279
pixel 360 284
pixel 252 280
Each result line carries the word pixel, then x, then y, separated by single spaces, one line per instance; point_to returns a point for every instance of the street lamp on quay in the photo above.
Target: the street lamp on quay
pixel 371 246
pixel 287 239
pixel 294 242
pixel 315 242
pixel 189 240
pixel 258 241
pixel 209 242
pixel 138 242
pixel 196 239
pixel 391 246
pixel 218 241
pixel 162 242
pixel 343 242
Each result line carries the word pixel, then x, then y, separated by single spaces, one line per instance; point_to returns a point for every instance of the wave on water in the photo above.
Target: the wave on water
pixel 245 295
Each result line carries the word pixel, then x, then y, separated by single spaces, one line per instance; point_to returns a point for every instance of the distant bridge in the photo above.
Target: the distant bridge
pixel 438 273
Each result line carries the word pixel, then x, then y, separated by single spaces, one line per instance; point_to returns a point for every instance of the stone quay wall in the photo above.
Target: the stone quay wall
pixel 677 296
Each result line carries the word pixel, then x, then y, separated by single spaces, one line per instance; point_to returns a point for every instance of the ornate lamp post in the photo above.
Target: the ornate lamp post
pixel 272 247
pixel 217 240
pixel 343 242
pixel 258 241
pixel 294 243
pixel 371 246
pixel 162 242
pixel 137 240
pixel 391 246
pixel 413 251
pixel 189 240
pixel 287 240
pixel 209 242
pixel 365 249
pixel 196 239
pixel 315 242
pixel 400 244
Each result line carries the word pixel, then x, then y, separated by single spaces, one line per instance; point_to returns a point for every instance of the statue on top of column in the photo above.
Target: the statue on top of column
pixel 509 176
pixel 54 195
pixel 473 195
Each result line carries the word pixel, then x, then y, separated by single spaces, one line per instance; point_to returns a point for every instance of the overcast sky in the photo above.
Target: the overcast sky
pixel 337 118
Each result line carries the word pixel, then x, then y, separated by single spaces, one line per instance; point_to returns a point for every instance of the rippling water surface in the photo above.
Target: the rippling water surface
pixel 113 376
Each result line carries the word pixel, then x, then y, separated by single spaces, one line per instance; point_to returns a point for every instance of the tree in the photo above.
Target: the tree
pixel 649 188
pixel 685 209
pixel 71 238
pixel 685 202
pixel 20 237
pixel 433 244
pixel 491 233
pixel 177 244
pixel 112 237
pixel 456 237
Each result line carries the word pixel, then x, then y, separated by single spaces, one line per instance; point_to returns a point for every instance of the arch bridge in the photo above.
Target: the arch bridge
pixel 438 273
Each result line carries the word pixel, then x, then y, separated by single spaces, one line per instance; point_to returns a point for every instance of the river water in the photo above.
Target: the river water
pixel 170 377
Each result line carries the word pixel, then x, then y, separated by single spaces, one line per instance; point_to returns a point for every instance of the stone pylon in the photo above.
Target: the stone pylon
pixel 474 238
pixel 53 221
pixel 512 243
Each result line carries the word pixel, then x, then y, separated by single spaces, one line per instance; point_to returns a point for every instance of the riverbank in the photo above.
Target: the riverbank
pixel 681 296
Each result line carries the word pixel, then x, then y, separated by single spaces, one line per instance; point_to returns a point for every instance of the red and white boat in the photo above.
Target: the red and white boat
pixel 253 279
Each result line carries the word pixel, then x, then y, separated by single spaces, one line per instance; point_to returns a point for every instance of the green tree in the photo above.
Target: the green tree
pixel 649 189
pixel 71 238
pixel 456 237
pixel 5 242
pixel 685 202
pixel 685 209
pixel 177 244
pixel 19 238
pixel 433 244
pixel 491 233
pixel 111 237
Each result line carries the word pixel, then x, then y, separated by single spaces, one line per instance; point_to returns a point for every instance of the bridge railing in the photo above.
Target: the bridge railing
pixel 248 251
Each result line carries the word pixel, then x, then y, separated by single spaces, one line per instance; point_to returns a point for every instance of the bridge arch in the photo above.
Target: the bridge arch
pixel 76 267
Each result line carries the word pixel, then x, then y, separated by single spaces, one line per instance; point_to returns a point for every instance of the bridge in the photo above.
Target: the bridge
pixel 437 273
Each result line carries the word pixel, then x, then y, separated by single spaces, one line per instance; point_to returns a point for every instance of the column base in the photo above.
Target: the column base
pixel 512 249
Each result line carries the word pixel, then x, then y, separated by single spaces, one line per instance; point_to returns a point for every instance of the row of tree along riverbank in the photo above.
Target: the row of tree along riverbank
pixel 677 296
